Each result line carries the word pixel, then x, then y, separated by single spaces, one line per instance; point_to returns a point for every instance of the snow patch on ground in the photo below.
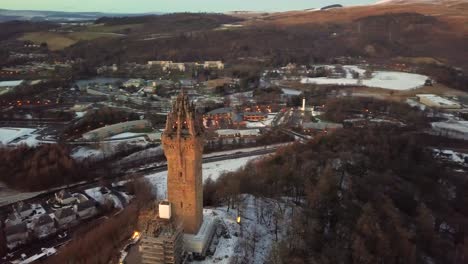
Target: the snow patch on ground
pixel 292 92
pixel 451 155
pixel 380 79
pixel 80 114
pixel 82 153
pixel 126 135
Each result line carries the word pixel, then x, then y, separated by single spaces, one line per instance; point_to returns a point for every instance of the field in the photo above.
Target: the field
pixel 58 41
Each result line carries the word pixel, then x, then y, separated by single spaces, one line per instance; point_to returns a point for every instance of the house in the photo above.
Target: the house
pixel 175 66
pixel 65 217
pixel 43 226
pixel 158 63
pixel 213 65
pixel 24 209
pixel 225 112
pixel 64 198
pixel 237 136
pixel 16 235
pixel 86 209
pixel 255 116
pixel 134 83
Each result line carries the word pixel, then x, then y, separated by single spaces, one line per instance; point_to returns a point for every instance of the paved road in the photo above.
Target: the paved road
pixel 236 155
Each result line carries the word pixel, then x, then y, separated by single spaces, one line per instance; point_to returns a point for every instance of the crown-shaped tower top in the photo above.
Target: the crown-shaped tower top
pixel 183 120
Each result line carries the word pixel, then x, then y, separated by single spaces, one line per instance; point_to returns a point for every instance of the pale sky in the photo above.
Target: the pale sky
pixel 144 6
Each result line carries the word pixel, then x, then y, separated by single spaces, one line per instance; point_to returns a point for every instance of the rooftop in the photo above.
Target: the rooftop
pixel 460 126
pixel 43 220
pixel 62 213
pixel 224 110
pixel 16 229
pixel 10 83
pixel 438 100
pixel 85 205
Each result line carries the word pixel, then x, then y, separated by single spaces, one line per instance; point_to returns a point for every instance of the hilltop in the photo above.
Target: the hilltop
pixel 57 16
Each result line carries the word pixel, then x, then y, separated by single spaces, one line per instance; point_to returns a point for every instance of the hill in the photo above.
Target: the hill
pixel 374 32
pixel 55 16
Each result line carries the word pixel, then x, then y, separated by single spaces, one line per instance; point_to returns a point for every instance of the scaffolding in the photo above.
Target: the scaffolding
pixel 162 239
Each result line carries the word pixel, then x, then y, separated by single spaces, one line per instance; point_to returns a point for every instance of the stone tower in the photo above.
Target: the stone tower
pixel 183 146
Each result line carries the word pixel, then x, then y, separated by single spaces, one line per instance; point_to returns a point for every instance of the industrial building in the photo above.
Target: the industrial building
pixel 109 131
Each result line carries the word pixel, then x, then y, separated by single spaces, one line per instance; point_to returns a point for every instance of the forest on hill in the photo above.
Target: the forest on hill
pixel 367 196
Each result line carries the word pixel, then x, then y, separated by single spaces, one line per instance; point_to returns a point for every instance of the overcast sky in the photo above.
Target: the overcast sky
pixel 142 6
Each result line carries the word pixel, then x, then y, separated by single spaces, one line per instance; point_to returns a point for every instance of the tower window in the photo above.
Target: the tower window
pixel 181 205
pixel 180 174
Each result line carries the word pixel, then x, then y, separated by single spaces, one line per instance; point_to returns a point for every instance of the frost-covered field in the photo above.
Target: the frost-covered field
pixel 210 170
pixel 390 80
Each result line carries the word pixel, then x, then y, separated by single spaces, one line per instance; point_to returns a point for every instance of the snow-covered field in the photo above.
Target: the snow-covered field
pixel 210 170
pixel 380 79
pixel 9 134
